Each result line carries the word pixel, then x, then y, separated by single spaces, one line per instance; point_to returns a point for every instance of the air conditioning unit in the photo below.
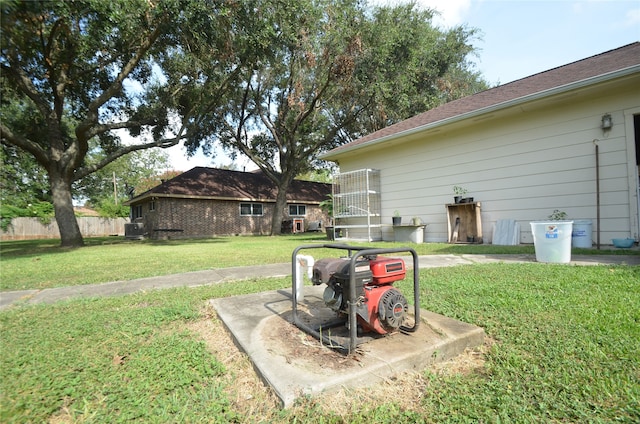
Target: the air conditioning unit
pixel 315 226
pixel 134 231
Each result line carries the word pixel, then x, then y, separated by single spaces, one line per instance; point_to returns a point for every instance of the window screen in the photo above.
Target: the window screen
pixel 299 210
pixel 251 209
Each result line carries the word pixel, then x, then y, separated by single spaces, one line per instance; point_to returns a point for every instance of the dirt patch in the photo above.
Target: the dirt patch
pixel 406 389
pixel 246 391
pixel 470 361
pixel 283 338
pixel 62 416
pixel 251 397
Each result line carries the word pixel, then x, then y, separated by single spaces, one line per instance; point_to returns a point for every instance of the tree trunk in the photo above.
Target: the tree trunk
pixel 70 235
pixel 278 210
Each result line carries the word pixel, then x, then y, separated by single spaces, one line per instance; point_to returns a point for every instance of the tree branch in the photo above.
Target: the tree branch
pixel 312 106
pixel 163 143
pixel 103 128
pixel 91 119
pixel 9 137
pixel 23 82
pixel 57 80
pixel 264 113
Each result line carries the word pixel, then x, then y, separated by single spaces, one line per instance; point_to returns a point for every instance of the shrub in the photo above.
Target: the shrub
pixel 107 208
pixel 41 210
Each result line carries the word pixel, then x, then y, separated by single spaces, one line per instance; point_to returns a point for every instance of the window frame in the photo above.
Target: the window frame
pixel 297 209
pixel 254 207
pixel 136 212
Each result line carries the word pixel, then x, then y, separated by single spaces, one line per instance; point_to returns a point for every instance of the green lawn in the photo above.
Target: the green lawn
pixel 40 264
pixel 564 348
pixel 43 264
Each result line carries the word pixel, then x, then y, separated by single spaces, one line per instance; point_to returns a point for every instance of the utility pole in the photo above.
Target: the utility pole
pixel 115 189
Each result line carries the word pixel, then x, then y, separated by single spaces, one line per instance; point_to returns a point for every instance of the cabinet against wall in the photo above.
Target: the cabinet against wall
pixel 356 205
pixel 464 222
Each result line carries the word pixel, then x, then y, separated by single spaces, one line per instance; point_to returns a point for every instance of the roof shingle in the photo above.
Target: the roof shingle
pixel 594 66
pixel 226 184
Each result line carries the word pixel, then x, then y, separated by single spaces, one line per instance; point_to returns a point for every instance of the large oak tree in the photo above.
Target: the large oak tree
pixel 76 71
pixel 276 81
pixel 338 70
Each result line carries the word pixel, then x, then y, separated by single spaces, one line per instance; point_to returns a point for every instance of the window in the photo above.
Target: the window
pixel 136 211
pixel 251 209
pixel 152 205
pixel 297 210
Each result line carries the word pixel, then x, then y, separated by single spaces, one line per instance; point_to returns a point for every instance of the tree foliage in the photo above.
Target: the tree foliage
pixel 121 177
pixel 86 82
pixel 279 115
pixel 74 72
pixel 337 70
pixel 22 180
pixel 147 183
pixel 38 209
pixel 409 66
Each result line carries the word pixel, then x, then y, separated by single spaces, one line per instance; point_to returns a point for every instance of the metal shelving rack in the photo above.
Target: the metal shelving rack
pixel 356 205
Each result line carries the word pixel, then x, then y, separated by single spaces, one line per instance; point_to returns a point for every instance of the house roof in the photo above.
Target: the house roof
pixel 84 211
pixel 608 65
pixel 223 184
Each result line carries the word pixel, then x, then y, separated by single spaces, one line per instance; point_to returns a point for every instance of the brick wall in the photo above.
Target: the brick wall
pixel 182 218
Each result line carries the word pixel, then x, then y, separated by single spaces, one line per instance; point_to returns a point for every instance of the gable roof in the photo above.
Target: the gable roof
pixel 608 65
pixel 223 184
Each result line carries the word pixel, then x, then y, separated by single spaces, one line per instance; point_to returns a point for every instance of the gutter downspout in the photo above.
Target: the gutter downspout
pixel 597 194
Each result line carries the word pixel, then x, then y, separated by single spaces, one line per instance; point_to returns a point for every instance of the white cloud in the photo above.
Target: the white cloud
pixel 452 12
pixel 632 17
pixel 180 161
pixel 578 7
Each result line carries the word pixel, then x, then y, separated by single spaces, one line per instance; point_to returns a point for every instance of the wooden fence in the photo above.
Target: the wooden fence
pixel 90 226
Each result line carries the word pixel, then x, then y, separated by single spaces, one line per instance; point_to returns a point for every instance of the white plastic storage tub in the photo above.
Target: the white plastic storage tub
pixel 581 234
pixel 552 240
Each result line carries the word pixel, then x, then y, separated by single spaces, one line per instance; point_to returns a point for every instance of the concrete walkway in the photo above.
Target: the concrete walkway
pixel 215 276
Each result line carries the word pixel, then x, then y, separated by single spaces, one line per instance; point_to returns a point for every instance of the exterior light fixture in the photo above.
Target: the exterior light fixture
pixel 607 122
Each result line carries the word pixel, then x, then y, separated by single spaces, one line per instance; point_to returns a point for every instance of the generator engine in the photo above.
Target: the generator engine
pixel 380 307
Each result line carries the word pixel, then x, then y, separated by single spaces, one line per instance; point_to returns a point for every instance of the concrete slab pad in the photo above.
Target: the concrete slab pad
pixel 295 364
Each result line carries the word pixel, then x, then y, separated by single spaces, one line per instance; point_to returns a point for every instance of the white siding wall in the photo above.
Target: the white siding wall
pixel 520 164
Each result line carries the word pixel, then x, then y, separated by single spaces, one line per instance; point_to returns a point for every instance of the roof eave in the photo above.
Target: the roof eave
pixel 149 196
pixel 145 197
pixel 488 109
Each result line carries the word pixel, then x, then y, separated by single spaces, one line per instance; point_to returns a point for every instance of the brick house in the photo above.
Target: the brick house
pixel 205 202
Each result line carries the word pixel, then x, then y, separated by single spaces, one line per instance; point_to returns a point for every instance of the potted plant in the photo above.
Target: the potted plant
pixel 327 207
pixel 397 219
pixel 416 220
pixel 557 215
pixel 459 193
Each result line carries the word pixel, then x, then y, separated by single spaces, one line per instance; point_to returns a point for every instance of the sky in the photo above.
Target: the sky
pixel 516 39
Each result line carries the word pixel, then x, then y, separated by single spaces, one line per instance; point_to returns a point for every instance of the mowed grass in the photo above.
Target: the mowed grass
pixel 40 264
pixel 43 264
pixel 564 348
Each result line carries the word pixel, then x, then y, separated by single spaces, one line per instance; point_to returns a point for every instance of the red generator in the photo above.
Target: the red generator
pixel 380 307
pixel 361 293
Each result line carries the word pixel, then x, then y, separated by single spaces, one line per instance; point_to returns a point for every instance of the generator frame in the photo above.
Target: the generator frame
pixel 353 253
